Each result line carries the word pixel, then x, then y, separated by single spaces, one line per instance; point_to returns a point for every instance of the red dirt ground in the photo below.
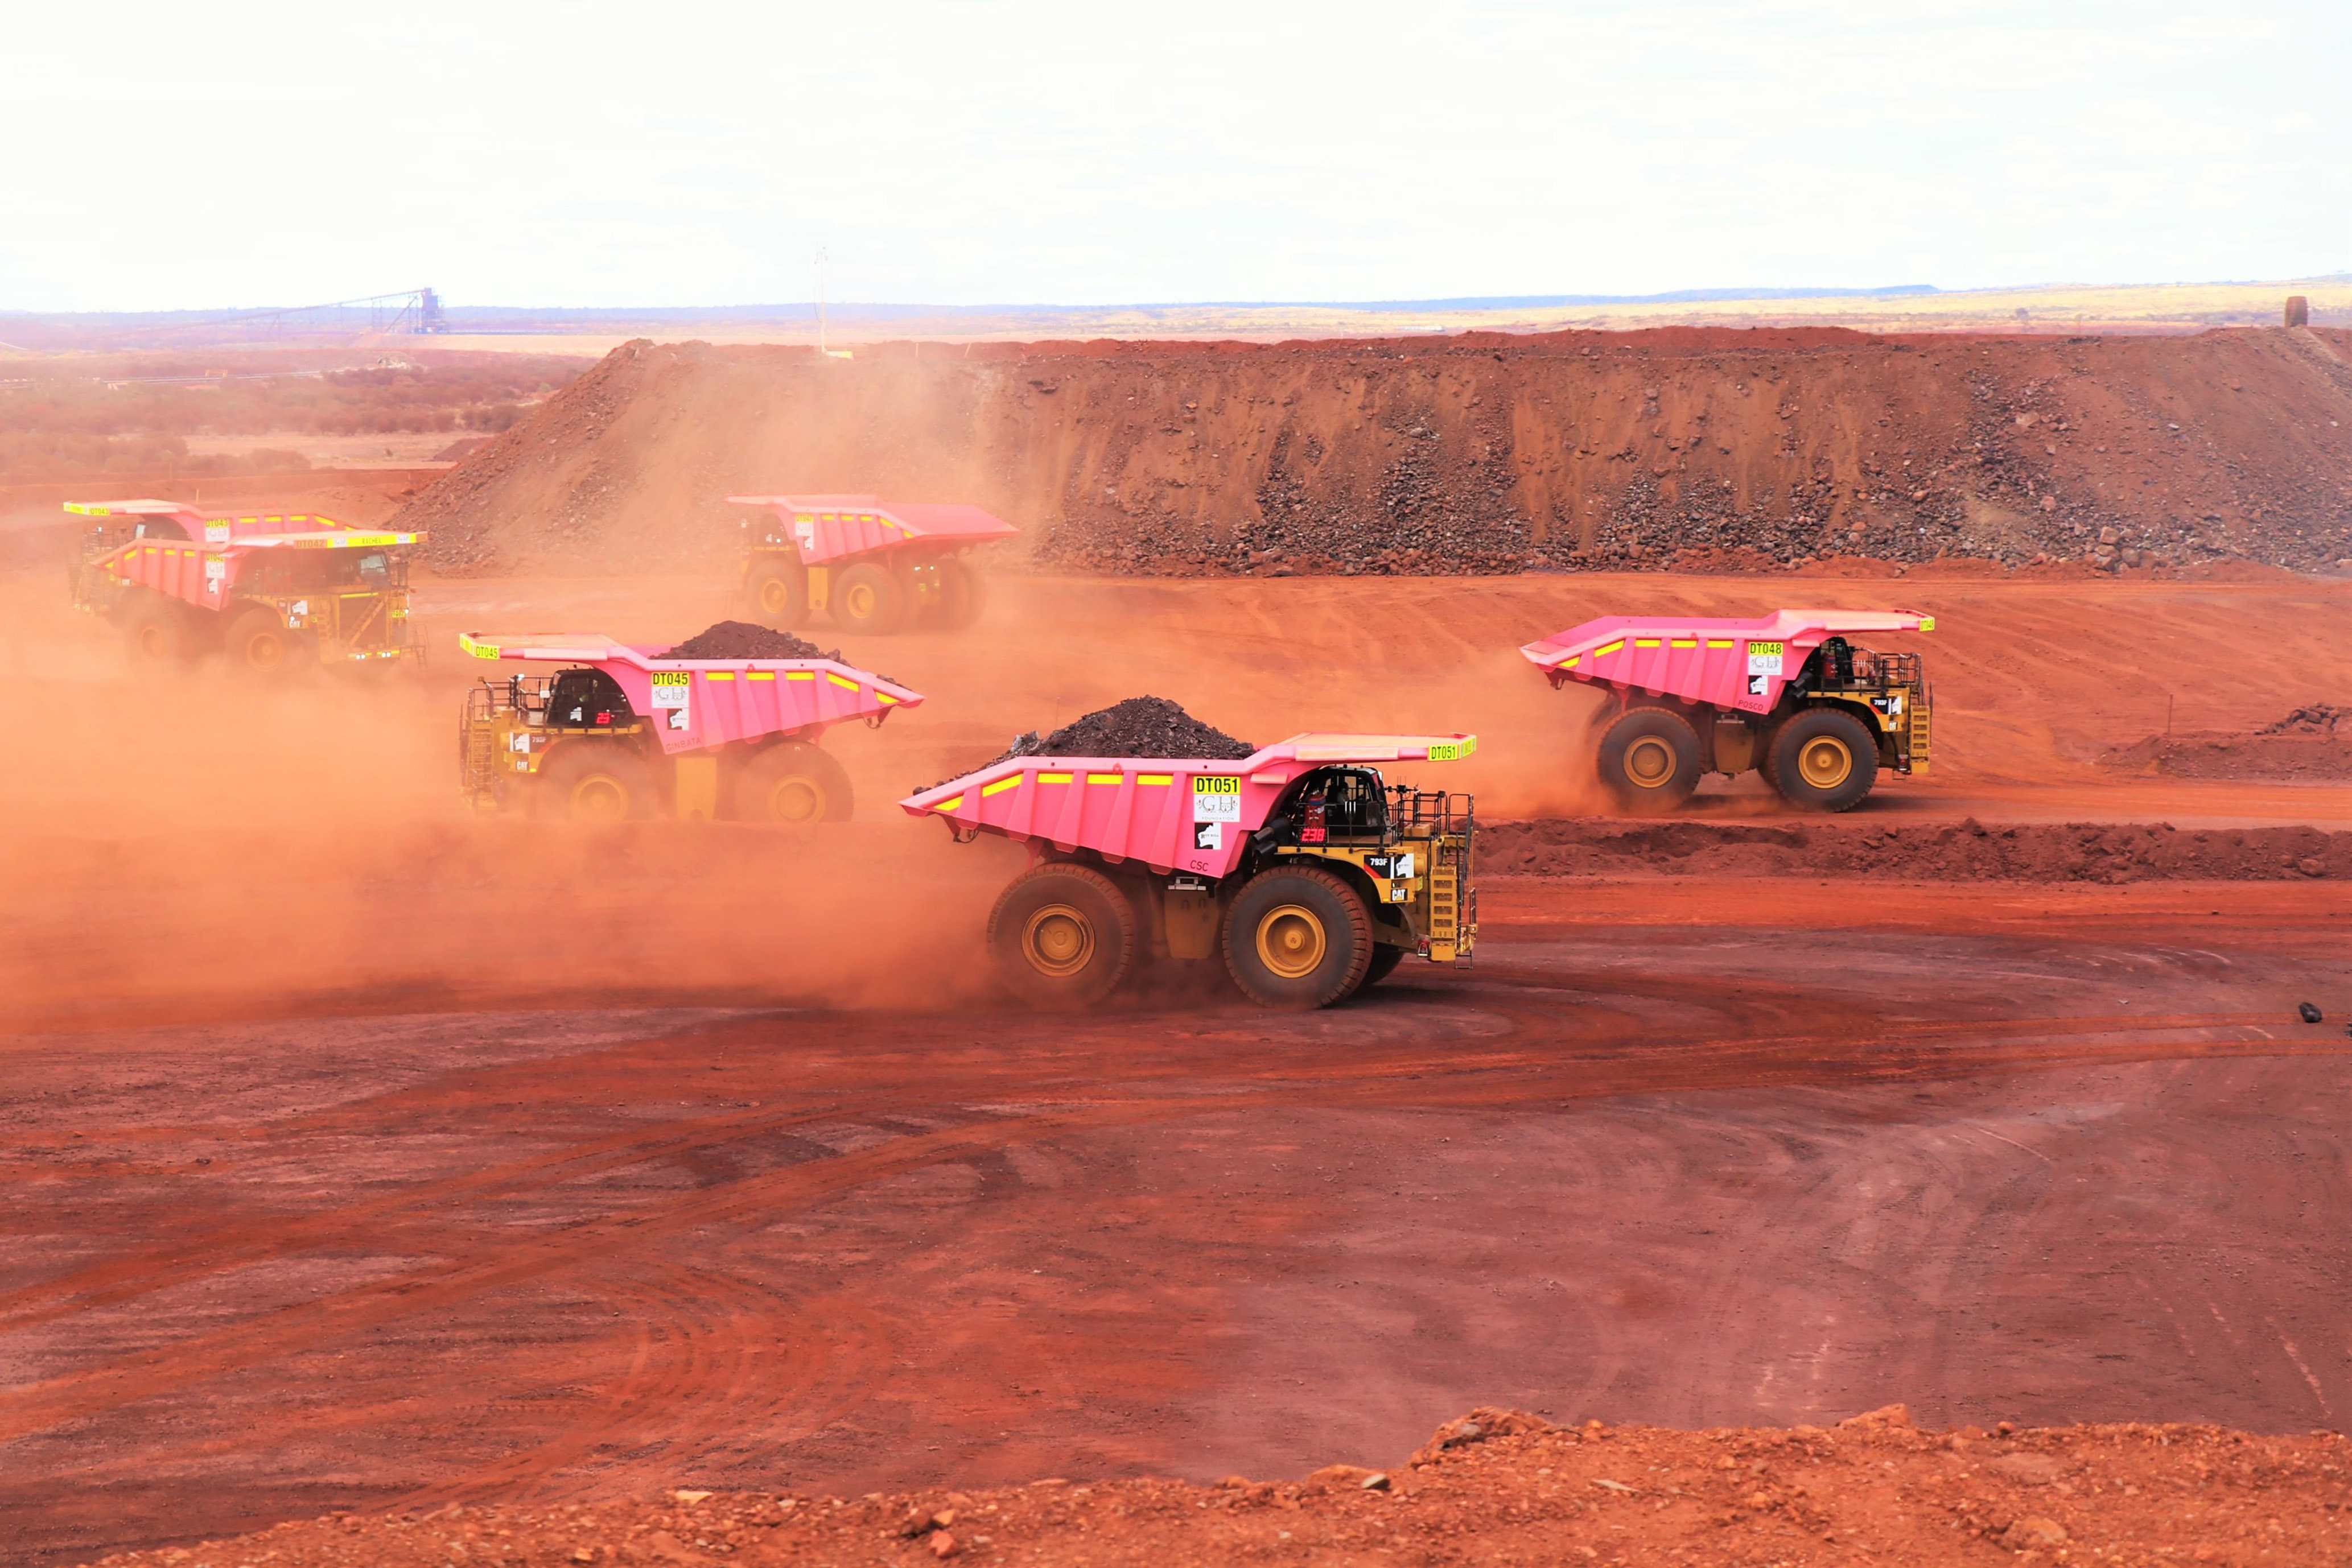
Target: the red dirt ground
pixel 1711 448
pixel 1497 1486
pixel 2311 743
pixel 1653 1161
pixel 366 1155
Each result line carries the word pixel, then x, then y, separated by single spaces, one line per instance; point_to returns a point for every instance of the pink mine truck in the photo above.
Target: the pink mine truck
pixel 272 594
pixel 875 566
pixel 1787 694
pixel 1299 865
pixel 621 732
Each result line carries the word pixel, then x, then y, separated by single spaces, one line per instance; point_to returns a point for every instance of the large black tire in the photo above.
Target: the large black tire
pixel 156 631
pixel 794 784
pixel 1385 959
pixel 259 645
pixel 597 782
pixel 1823 760
pixel 961 598
pixel 1298 937
pixel 776 593
pixel 1062 936
pixel 867 598
pixel 1649 761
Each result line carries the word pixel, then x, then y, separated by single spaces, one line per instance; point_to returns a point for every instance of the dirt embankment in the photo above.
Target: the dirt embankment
pixel 1497 1486
pixel 1485 452
pixel 2311 743
pixel 1952 851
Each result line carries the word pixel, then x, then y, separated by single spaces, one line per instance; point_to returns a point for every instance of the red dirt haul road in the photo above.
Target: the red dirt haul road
pixel 437 1158
pixel 259 1269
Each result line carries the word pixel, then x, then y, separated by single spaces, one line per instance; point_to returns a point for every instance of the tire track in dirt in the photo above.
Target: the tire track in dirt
pixel 233 1244
pixel 1488 1078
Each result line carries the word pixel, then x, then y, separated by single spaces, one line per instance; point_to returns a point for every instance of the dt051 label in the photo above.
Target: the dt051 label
pixel 1216 798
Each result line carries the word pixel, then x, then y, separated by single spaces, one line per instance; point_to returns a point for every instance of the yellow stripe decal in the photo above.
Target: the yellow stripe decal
pixel 1685 642
pixel 1053 779
pixel 1105 778
pixel 1568 663
pixel 948 805
pixel 1604 653
pixel 1712 643
pixel 842 681
pixel 1001 786
pixel 717 674
pixel 1155 779
pixel 1645 642
pixel 885 699
pixel 800 675
pixel 760 675
pixel 1926 623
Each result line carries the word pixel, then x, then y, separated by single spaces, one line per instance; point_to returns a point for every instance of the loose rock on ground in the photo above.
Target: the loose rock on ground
pixel 1497 1486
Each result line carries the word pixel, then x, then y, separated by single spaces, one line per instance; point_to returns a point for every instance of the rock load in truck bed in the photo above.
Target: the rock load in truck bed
pixel 1137 726
pixel 743 640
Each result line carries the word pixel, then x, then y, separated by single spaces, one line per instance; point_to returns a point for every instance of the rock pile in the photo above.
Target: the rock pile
pixel 746 640
pixel 1134 726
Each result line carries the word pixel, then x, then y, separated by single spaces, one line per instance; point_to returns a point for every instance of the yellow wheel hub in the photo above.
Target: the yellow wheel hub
pixel 1290 941
pixel 859 599
pixel 796 799
pixel 1058 940
pixel 265 653
pixel 1650 762
pixel 775 596
pixel 600 798
pixel 1824 762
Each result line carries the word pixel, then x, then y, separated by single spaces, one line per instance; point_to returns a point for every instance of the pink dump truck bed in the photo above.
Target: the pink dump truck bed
pixel 1189 814
pixel 828 527
pixel 698 703
pixel 1735 664
pixel 204 568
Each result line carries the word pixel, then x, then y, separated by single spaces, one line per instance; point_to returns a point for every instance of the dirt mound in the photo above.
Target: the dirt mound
pixel 1496 1486
pixel 746 640
pixel 2312 742
pixel 1962 851
pixel 1698 449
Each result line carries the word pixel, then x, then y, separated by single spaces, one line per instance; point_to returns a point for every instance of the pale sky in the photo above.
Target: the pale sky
pixel 695 153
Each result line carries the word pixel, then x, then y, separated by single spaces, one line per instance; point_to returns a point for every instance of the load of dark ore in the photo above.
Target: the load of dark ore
pixel 1137 726
pixel 746 640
